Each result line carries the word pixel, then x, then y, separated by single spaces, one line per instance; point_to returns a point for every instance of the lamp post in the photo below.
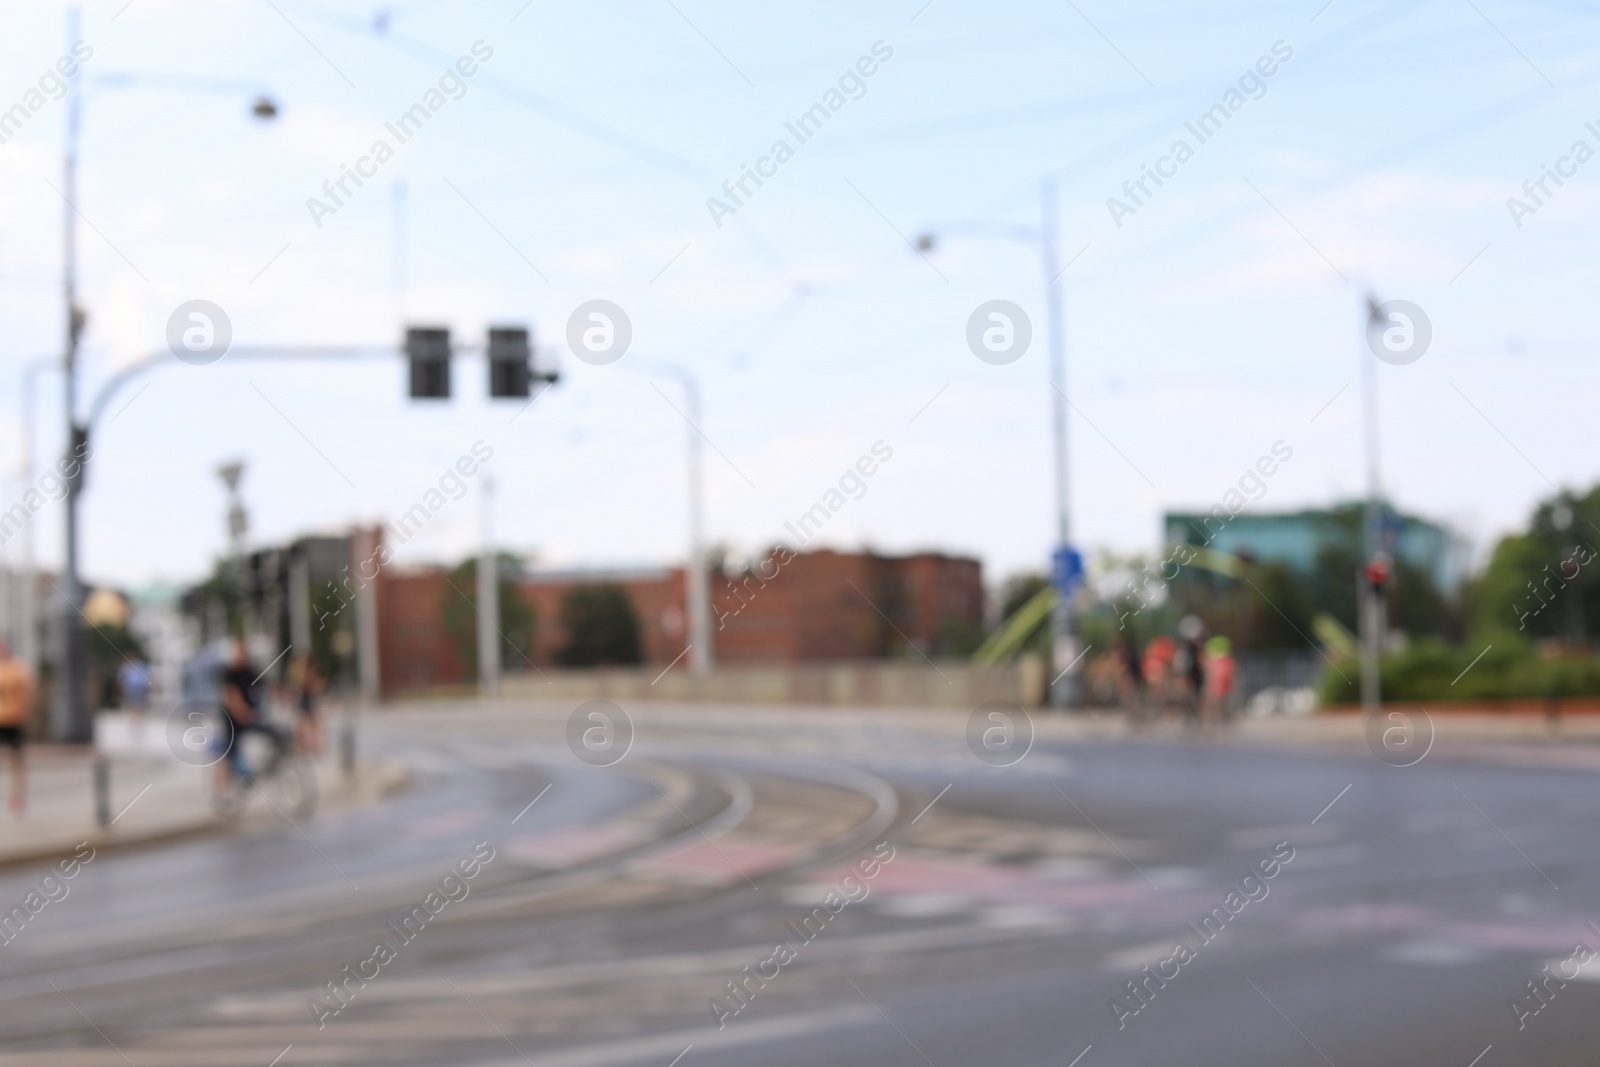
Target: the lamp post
pixel 697 584
pixel 488 600
pixel 69 719
pixel 1375 565
pixel 1047 238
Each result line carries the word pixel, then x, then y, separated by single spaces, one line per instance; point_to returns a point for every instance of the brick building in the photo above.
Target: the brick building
pixel 828 605
pixel 813 606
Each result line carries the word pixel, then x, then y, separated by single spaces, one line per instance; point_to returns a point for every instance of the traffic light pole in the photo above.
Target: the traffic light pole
pixel 1064 688
pixel 70 719
pixel 1371 607
pixel 71 709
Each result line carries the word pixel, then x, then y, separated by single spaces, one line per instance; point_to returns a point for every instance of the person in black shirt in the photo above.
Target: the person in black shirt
pixel 241 701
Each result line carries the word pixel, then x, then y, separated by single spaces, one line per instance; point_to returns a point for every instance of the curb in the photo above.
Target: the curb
pixel 372 784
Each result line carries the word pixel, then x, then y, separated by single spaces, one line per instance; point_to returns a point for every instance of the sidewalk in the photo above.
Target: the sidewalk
pixel 152 799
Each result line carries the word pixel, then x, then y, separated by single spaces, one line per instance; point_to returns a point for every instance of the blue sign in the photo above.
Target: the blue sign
pixel 1066 570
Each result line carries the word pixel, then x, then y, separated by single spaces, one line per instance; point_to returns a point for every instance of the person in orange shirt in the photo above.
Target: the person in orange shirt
pixel 1220 669
pixel 16 709
pixel 1157 671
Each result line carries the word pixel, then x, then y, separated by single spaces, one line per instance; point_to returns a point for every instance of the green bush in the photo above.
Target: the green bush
pixel 1429 670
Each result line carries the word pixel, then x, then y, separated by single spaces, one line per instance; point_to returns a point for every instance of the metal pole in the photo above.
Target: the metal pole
pixel 365 546
pixel 1370 601
pixel 488 602
pixel 697 585
pixel 1063 644
pixel 300 601
pixel 70 719
pixel 27 601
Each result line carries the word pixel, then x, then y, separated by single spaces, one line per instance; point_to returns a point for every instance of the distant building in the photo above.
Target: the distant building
pixel 169 639
pixel 828 605
pixel 812 606
pixel 1296 538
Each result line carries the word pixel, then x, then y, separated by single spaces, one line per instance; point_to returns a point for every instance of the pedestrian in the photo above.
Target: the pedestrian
pixel 242 703
pixel 133 685
pixel 1219 678
pixel 1128 677
pixel 16 712
pixel 1157 671
pixel 1189 670
pixel 306 685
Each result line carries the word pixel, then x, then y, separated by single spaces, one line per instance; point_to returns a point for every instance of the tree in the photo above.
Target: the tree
pixel 601 627
pixel 109 645
pixel 1015 592
pixel 517 623
pixel 1537 584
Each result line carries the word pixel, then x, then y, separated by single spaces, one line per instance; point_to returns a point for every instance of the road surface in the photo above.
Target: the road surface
pixel 675 908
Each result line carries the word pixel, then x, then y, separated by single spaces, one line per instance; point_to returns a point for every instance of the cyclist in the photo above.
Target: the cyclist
pixel 241 700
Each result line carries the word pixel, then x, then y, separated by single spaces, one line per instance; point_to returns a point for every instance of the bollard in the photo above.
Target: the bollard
pixel 347 749
pixel 102 791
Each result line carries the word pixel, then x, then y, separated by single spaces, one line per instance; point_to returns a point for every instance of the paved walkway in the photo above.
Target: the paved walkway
pixel 152 798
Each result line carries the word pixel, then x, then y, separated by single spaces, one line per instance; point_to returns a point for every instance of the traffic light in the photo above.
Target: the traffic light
pixel 428 352
pixel 509 352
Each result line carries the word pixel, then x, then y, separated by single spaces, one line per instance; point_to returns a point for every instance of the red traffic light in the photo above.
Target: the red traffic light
pixel 1378 573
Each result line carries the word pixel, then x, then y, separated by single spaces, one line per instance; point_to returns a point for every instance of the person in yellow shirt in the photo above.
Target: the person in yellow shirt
pixel 16 709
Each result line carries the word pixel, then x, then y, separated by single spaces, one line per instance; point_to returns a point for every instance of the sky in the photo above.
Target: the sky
pixel 1207 319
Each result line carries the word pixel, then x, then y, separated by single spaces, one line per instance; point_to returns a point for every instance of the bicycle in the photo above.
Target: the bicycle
pixel 267 761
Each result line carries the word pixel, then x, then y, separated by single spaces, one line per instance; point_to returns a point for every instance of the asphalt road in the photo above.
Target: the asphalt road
pixel 981 914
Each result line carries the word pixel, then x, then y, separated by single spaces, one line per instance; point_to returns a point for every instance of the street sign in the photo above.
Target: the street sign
pixel 1066 570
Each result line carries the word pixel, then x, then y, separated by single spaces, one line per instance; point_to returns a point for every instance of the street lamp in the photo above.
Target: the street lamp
pixel 697 584
pixel 1066 567
pixel 1375 566
pixel 69 719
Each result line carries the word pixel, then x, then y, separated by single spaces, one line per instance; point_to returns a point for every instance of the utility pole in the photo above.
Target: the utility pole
pixel 70 716
pixel 697 582
pixel 238 529
pixel 368 669
pixel 1066 564
pixel 697 585
pixel 1374 568
pixel 488 601
pixel 1064 641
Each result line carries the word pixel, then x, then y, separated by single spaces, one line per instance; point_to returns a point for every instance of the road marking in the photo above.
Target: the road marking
pixel 703 834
